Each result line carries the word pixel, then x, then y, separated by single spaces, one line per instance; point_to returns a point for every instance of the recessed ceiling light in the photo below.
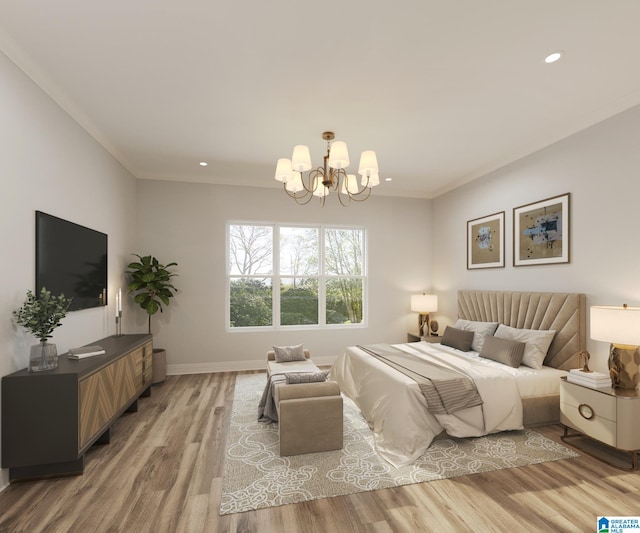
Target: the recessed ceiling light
pixel 552 58
pixel 203 164
pixel 388 179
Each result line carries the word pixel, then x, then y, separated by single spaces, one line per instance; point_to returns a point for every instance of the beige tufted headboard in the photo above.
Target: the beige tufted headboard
pixel 563 312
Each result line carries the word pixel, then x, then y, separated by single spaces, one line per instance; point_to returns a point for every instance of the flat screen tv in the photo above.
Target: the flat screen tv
pixel 71 260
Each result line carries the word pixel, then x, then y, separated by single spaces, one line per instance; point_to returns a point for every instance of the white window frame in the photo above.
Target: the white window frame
pixel 275 277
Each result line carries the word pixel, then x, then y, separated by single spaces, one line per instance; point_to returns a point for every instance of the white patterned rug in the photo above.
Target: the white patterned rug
pixel 255 476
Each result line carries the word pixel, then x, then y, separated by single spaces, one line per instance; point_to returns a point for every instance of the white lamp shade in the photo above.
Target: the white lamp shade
pixel 370 181
pixel 283 169
pixel 424 303
pixel 368 163
pixel 294 183
pixel 338 155
pixel 301 160
pixel 616 325
pixel 350 184
pixel 319 189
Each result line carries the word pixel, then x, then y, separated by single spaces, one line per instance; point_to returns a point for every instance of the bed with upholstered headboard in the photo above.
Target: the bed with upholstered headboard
pixel 381 379
pixel 563 312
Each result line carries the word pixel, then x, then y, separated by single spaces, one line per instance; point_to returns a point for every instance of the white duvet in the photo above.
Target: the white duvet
pixel 396 410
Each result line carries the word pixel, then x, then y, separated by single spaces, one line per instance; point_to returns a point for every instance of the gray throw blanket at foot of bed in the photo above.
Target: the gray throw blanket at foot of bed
pixel 446 390
pixel 267 411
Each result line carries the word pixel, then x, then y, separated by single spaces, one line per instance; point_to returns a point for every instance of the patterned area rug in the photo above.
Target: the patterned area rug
pixel 255 476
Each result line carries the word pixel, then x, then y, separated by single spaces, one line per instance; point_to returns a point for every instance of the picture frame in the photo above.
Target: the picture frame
pixel 541 232
pixel 485 242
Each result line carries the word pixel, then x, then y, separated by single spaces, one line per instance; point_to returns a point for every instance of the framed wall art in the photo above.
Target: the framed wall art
pixel 485 242
pixel 541 232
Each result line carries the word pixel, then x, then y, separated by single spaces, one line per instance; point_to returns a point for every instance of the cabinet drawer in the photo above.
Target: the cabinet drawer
pixel 603 405
pixel 597 427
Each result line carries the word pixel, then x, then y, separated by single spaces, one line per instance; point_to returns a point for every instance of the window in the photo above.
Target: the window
pixel 295 276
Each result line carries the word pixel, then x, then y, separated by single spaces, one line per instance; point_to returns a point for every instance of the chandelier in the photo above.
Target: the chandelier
pixel 330 177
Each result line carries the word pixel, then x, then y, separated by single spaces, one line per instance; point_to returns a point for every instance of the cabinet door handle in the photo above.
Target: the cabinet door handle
pixel 586 411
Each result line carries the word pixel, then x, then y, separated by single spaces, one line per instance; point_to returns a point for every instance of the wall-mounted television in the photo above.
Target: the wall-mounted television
pixel 71 260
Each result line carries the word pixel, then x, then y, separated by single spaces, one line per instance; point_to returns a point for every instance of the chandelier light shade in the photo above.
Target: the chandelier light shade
pixel 330 177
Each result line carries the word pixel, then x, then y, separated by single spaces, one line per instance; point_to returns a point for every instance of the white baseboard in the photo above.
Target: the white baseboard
pixel 234 366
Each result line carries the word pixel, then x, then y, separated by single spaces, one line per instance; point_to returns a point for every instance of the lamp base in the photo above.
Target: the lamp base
pixel 423 323
pixel 624 366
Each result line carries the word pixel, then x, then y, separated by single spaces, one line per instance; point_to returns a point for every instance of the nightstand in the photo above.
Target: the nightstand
pixel 414 337
pixel 606 415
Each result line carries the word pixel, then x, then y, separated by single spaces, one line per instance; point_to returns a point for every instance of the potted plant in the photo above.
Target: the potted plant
pixel 40 315
pixel 150 281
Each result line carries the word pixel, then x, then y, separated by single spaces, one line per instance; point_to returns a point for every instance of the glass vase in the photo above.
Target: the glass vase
pixel 44 356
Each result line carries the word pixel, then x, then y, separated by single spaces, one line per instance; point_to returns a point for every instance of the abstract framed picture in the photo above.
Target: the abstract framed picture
pixel 485 242
pixel 541 232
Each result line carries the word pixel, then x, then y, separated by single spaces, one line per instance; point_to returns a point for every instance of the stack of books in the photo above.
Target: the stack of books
pixel 595 380
pixel 85 351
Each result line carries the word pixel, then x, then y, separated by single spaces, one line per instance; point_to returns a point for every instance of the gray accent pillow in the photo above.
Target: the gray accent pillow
pixel 537 342
pixel 480 330
pixel 457 338
pixel 307 377
pixel 286 354
pixel 503 351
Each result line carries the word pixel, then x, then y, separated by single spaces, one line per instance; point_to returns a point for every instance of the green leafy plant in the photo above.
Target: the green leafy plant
pixel 150 281
pixel 41 314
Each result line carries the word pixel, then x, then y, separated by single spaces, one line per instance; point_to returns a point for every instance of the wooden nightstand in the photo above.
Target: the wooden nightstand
pixel 414 337
pixel 607 415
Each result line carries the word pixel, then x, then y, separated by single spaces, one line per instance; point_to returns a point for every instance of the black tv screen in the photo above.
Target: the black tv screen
pixel 71 260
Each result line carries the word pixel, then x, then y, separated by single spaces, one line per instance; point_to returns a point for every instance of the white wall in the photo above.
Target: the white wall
pixel 600 167
pixel 185 223
pixel 49 163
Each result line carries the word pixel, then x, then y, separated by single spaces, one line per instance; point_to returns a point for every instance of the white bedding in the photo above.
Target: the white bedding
pixel 396 409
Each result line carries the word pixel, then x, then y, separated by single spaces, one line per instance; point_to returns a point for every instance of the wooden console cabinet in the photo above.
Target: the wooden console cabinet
pixel 51 418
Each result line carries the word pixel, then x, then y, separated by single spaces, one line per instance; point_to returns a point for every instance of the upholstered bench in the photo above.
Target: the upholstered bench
pixel 309 414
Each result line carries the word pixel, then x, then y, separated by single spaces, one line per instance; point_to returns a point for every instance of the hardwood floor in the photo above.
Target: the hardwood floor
pixel 163 472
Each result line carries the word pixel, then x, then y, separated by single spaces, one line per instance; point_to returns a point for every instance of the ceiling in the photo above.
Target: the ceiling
pixel 444 91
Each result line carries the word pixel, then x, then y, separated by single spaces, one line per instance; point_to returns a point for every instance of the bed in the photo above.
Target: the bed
pixel 395 407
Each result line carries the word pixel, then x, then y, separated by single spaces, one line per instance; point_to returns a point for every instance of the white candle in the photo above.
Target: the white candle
pixel 117 304
pixel 119 301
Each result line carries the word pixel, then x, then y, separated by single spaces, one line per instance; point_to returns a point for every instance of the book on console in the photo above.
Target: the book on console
pixel 85 351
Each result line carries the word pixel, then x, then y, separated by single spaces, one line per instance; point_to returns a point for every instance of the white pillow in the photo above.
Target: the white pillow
pixel 480 331
pixel 537 342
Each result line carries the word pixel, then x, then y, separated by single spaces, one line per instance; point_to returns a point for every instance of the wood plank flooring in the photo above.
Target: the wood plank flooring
pixel 162 472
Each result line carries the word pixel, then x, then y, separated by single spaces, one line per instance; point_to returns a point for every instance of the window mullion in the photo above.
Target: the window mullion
pixel 275 279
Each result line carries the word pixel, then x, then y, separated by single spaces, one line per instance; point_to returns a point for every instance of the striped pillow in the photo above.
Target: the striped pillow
pixel 503 351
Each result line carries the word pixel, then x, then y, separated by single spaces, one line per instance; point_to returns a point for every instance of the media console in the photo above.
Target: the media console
pixel 51 418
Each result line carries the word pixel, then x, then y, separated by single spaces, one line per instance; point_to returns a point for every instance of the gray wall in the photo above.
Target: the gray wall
pixel 185 222
pixel 600 167
pixel 50 164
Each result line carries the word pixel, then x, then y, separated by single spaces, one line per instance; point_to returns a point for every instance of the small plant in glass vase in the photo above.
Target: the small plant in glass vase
pixel 40 315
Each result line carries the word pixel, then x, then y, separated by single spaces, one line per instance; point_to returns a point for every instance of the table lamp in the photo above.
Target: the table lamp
pixel 621 327
pixel 423 304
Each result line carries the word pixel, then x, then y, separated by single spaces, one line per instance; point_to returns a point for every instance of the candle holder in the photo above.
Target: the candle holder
pixel 119 324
